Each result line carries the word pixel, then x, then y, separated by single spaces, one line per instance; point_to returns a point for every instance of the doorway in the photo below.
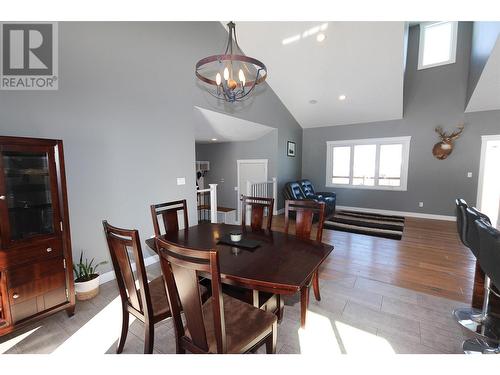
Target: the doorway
pixel 253 170
pixel 488 192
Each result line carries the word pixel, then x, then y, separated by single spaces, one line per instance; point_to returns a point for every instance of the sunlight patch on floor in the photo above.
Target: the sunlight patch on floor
pixel 318 336
pixel 357 341
pixel 98 334
pixel 5 346
pixel 324 336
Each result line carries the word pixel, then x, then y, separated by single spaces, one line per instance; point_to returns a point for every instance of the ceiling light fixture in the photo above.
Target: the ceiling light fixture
pixel 320 37
pixel 240 73
pixel 342 97
pixel 213 139
pixel 313 101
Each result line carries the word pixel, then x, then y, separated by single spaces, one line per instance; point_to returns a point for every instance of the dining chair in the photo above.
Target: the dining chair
pixel 257 207
pixel 147 301
pixel 305 210
pixel 221 324
pixel 169 213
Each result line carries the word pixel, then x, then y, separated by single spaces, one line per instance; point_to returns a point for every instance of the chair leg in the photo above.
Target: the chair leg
pixel 281 307
pixel 149 338
pixel 179 349
pixel 316 286
pixel 271 340
pixel 123 336
pixel 70 311
pixel 304 303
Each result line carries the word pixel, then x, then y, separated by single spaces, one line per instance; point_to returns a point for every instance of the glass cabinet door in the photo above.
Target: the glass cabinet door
pixel 29 182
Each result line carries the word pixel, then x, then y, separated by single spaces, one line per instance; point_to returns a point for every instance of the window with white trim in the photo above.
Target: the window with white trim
pixel 375 163
pixel 438 44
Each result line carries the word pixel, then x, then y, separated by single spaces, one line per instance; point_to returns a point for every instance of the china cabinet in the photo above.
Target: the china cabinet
pixel 36 277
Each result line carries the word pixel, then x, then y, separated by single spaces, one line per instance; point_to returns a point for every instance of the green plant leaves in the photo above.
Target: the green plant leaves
pixel 85 271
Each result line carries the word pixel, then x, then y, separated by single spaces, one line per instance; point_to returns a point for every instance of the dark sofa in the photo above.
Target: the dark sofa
pixel 304 189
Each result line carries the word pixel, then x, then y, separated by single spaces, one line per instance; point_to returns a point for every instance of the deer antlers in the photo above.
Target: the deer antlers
pixel 452 136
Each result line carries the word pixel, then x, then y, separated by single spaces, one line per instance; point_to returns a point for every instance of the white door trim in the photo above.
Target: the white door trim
pixel 484 141
pixel 238 187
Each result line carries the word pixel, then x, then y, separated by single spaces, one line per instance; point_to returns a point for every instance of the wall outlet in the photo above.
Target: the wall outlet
pixel 469 174
pixel 420 204
pixel 221 180
pixel 181 180
pixel 236 188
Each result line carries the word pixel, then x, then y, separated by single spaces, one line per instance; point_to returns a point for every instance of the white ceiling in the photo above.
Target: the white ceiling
pixel 214 125
pixel 362 60
pixel 486 95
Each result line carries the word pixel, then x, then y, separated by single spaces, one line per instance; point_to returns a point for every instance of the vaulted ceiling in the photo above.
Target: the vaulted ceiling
pixel 364 61
pixel 216 127
pixel 486 95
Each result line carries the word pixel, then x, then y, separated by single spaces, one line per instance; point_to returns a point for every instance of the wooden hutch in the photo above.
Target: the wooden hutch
pixel 36 277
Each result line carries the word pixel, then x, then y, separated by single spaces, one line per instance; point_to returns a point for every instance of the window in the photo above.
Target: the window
pixel 378 163
pixel 438 44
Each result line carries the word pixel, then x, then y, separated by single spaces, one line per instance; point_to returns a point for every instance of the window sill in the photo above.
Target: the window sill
pixel 360 187
pixel 434 65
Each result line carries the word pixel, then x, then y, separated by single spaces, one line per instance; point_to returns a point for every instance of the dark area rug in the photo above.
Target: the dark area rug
pixel 378 225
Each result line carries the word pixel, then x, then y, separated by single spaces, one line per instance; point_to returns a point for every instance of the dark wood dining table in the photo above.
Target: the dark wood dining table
pixel 281 265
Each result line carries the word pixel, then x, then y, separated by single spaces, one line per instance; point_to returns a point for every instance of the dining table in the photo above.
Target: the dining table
pixel 281 265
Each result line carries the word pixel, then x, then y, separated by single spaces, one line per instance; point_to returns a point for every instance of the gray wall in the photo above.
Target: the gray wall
pixel 434 96
pixel 124 110
pixel 223 166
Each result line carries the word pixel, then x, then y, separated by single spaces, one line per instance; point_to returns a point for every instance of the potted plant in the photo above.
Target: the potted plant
pixel 86 278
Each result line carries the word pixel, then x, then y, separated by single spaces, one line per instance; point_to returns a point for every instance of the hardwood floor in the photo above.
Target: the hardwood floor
pixel 378 295
pixel 429 258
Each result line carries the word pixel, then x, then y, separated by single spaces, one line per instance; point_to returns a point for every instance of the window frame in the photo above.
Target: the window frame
pixel 421 45
pixel 405 141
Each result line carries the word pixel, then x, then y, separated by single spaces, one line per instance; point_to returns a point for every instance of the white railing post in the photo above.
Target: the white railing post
pixel 275 195
pixel 249 189
pixel 249 194
pixel 213 203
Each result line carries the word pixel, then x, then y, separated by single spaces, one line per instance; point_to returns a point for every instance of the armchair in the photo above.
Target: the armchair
pixel 304 190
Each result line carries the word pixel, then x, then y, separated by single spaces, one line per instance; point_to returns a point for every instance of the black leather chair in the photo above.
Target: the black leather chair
pixel 461 206
pixel 304 189
pixel 472 235
pixel 489 261
pixel 477 321
pixel 328 197
pixel 293 191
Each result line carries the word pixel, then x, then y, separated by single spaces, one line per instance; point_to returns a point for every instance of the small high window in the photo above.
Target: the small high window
pixel 438 44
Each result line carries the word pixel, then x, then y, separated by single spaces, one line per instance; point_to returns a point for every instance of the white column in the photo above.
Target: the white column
pixel 249 189
pixel 249 194
pixel 275 195
pixel 213 203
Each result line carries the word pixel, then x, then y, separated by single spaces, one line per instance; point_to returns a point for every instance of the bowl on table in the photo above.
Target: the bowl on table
pixel 235 236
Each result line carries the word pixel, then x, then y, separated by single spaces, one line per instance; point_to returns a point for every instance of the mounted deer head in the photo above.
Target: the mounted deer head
pixel 442 149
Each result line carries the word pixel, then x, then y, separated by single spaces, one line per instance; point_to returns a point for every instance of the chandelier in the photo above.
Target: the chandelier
pixel 231 76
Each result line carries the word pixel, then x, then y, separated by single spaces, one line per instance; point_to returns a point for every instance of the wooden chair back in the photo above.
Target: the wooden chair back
pixel 169 213
pixel 257 206
pixel 125 248
pixel 304 215
pixel 180 267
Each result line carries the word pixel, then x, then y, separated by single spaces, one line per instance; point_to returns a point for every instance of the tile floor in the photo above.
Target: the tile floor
pixel 355 315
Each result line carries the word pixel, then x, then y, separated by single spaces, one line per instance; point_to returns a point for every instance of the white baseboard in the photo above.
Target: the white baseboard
pixel 108 276
pixel 398 213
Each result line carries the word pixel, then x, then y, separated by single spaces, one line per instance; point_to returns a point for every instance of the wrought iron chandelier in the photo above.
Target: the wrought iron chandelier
pixel 233 74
